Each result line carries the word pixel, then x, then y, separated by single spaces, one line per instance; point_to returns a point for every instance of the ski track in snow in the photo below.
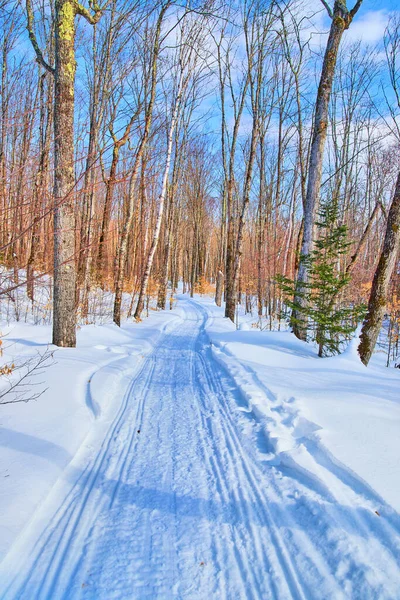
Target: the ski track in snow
pixel 179 503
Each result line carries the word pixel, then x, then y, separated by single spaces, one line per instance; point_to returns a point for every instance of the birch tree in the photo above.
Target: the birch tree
pixel 149 94
pixel 187 60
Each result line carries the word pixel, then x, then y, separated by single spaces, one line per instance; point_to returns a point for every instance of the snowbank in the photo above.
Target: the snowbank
pixel 328 418
pixel 84 390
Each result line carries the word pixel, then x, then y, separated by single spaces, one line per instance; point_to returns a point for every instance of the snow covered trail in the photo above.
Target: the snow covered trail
pixel 181 501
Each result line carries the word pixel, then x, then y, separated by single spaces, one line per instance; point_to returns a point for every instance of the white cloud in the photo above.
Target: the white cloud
pixel 369 28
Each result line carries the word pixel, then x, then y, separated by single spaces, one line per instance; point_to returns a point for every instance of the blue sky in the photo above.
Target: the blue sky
pixel 379 5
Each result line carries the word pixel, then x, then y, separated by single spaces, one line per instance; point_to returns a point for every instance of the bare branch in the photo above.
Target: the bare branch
pixel 354 10
pixel 15 391
pixel 30 24
pixel 328 8
pixel 91 18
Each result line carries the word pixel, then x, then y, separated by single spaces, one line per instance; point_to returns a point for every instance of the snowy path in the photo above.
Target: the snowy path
pixel 178 503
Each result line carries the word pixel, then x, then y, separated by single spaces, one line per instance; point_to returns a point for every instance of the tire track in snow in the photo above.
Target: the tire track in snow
pixel 67 519
pixel 185 508
pixel 333 524
pixel 69 516
pixel 256 498
pixel 226 558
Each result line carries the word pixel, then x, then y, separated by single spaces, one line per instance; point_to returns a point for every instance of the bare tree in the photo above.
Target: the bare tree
pixel 149 94
pixel 391 244
pixel 45 122
pixel 187 60
pixel 64 319
pixel 19 379
pixel 257 23
pixel 341 18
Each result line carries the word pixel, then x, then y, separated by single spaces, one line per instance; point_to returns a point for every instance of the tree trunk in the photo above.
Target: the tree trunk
pixel 44 141
pixel 163 288
pixel 64 306
pixel 64 216
pixel 156 234
pixel 219 288
pixel 380 285
pixel 102 257
pixel 167 260
pixel 341 19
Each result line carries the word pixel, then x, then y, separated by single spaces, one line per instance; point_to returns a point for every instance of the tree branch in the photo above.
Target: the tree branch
pixel 39 55
pixel 84 12
pixel 354 10
pixel 328 8
pixel 20 389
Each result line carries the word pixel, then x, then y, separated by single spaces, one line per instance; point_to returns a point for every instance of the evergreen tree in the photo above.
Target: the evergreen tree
pixel 329 321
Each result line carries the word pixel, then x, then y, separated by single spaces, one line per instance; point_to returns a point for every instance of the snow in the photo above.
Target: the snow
pixel 335 406
pixel 39 438
pixel 182 458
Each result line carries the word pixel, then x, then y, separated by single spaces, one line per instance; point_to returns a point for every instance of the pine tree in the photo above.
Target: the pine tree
pixel 329 321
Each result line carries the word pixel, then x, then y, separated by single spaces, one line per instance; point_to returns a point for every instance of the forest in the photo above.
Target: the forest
pixel 199 300
pixel 143 144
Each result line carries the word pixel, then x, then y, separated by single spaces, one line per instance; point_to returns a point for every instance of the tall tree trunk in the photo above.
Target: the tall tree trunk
pixel 64 306
pixel 44 141
pixel 341 19
pixel 230 292
pixel 170 222
pixel 163 287
pixel 3 138
pixel 219 288
pixel 102 258
pixel 380 285
pixel 222 249
pixel 64 215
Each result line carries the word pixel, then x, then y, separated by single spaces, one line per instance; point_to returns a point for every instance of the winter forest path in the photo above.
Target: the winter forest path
pixel 177 503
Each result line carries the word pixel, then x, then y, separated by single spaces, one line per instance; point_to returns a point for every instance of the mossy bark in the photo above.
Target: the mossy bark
pixel 64 306
pixel 64 318
pixel 380 285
